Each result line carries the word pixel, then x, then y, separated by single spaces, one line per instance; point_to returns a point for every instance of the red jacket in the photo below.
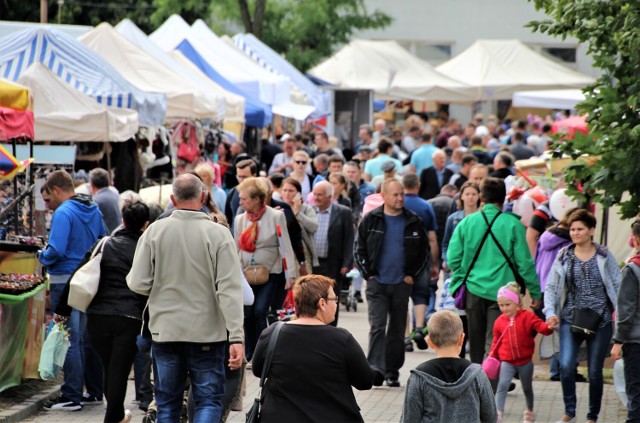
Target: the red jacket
pixel 517 344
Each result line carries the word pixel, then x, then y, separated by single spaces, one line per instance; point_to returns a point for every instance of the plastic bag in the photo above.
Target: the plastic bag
pixel 618 380
pixel 54 351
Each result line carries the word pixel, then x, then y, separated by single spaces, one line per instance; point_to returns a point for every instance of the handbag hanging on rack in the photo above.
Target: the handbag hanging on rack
pixel 254 413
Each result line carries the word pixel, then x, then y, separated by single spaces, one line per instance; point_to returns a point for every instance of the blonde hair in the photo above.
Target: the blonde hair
pixel 444 328
pixel 515 288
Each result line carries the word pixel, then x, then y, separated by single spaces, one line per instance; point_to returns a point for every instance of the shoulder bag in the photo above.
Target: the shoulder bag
pixel 254 413
pixel 257 274
pixel 491 365
pixel 461 294
pixel 514 270
pixel 84 282
pixel 585 320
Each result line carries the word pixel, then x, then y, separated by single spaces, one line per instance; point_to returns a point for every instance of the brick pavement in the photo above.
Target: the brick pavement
pixel 384 404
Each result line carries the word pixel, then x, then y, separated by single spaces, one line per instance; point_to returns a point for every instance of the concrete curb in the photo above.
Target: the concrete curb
pixel 28 407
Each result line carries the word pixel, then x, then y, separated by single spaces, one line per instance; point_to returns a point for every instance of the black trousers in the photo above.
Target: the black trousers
pixel 114 339
pixel 481 314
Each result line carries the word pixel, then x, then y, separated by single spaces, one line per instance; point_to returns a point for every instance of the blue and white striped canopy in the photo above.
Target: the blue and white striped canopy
pixel 275 63
pixel 79 67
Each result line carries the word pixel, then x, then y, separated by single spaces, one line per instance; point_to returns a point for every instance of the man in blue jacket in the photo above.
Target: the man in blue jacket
pixel 76 226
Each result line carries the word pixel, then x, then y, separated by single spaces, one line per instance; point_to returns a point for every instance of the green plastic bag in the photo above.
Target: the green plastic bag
pixel 54 351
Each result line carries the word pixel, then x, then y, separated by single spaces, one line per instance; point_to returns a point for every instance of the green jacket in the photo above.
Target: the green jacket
pixel 491 270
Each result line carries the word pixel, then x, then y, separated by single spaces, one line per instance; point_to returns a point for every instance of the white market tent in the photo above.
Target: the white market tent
pixel 230 63
pixel 498 68
pixel 184 99
pixel 275 63
pixel 548 99
pixel 79 67
pixel 65 114
pixel 391 72
pixel 234 104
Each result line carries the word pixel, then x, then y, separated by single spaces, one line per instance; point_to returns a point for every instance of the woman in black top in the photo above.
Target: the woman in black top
pixel 314 365
pixel 115 314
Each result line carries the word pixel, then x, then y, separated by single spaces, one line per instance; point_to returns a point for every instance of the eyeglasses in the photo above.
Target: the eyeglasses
pixel 300 161
pixel 336 299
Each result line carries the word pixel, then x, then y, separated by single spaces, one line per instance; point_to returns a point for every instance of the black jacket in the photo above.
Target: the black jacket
pixel 370 237
pixel 114 298
pixel 429 185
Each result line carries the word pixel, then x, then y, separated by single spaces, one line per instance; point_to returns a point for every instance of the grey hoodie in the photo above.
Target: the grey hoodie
pixel 468 400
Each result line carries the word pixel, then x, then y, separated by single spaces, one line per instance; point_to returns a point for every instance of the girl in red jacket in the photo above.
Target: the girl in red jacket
pixel 513 344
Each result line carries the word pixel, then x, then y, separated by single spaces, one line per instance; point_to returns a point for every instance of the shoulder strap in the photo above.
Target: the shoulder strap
pixel 516 275
pixel 99 246
pixel 484 238
pixel 499 340
pixel 270 350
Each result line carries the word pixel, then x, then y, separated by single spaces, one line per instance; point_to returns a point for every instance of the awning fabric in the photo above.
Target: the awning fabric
pixel 498 68
pixel 79 67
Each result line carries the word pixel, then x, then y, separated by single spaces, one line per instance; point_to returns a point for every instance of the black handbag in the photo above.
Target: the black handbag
pixel 585 321
pixel 254 413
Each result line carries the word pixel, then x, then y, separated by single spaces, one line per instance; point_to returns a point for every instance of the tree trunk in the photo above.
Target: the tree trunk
pixel 258 17
pixel 246 16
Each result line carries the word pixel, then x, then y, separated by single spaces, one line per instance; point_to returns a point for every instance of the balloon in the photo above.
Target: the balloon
pixel 524 207
pixel 560 202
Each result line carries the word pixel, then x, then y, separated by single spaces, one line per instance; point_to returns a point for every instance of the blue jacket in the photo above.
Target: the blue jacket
pixel 76 225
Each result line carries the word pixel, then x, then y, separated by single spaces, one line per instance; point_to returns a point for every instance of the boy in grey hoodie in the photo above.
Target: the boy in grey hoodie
pixel 448 388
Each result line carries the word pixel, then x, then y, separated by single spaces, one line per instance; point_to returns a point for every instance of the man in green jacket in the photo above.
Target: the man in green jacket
pixel 491 269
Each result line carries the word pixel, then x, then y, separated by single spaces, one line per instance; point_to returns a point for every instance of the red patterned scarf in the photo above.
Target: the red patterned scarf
pixel 248 237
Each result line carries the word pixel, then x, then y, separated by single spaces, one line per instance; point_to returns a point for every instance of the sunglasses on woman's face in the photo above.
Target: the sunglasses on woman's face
pixel 302 162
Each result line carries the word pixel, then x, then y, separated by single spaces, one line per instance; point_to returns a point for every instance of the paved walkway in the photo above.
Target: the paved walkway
pixel 384 404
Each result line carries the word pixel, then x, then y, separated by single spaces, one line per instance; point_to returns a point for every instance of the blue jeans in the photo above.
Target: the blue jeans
pixel 597 347
pixel 55 289
pixel 82 364
pixel 204 363
pixel 255 316
pixel 142 371
pixel 631 354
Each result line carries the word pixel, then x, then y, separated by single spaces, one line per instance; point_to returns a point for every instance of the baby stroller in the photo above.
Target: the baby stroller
pixel 347 292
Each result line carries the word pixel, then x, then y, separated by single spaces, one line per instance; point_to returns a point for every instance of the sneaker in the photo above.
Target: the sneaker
pixel 566 419
pixel 418 337
pixel 499 414
pixel 62 404
pixel 393 382
pixel 150 417
pixel 512 386
pixel 88 399
pixel 408 346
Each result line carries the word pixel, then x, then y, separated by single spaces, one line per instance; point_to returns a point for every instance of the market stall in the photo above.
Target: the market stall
pixel 22 293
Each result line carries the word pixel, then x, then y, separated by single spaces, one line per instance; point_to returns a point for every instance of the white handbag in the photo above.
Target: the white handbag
pixel 84 282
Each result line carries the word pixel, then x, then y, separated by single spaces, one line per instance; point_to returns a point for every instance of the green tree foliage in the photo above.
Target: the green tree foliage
pixel 303 31
pixel 611 31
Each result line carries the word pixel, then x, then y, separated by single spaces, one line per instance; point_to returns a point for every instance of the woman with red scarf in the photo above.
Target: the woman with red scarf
pixel 262 239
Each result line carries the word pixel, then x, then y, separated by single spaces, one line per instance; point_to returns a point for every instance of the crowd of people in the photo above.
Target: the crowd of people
pixel 411 213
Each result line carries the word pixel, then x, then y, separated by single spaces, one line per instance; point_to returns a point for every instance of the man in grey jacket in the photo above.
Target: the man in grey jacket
pixel 189 268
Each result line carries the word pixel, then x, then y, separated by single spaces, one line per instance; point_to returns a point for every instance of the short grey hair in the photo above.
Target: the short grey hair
pixel 437 153
pixel 99 178
pixel 187 187
pixel 328 188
